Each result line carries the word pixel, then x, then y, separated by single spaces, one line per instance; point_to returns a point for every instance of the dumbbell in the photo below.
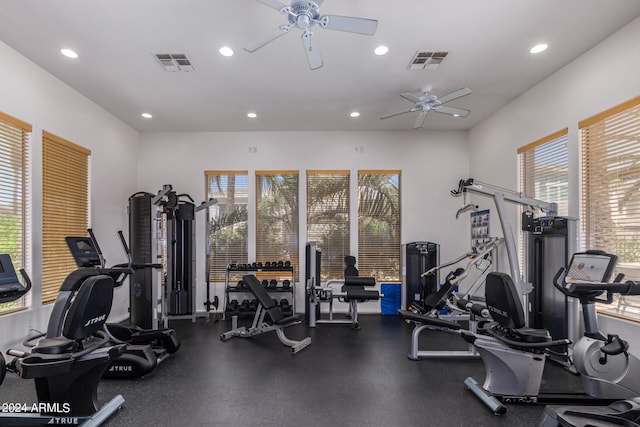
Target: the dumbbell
pixel 267 264
pixel 280 264
pixel 286 284
pixel 284 305
pixel 233 305
pixel 241 284
pixel 265 283
pixel 259 264
pixel 253 305
pixel 273 283
pixel 287 263
pixel 245 305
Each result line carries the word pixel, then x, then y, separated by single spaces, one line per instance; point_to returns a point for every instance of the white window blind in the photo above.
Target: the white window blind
pixel 228 220
pixel 277 216
pixel 14 195
pixel 611 192
pixel 379 224
pixel 328 219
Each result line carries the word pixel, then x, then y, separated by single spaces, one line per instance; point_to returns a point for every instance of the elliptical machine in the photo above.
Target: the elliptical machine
pixel 145 348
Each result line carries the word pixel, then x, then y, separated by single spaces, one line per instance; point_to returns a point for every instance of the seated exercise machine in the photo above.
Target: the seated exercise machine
pixel 145 348
pixel 443 309
pixel 605 363
pixel 353 290
pixel 66 368
pixel 514 356
pixel 269 317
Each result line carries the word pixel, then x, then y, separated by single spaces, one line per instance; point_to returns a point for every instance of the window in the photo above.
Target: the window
pixel 328 219
pixel 611 192
pixel 65 208
pixel 14 195
pixel 544 170
pixel 544 175
pixel 277 216
pixel 379 224
pixel 228 220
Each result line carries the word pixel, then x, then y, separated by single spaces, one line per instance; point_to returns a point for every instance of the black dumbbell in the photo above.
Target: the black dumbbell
pixel 245 305
pixel 253 305
pixel 284 305
pixel 267 264
pixel 265 283
pixel 280 264
pixel 287 263
pixel 233 305
pixel 286 284
pixel 241 284
pixel 273 283
pixel 259 264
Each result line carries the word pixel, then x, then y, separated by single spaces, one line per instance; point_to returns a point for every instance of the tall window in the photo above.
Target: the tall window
pixel 611 189
pixel 544 175
pixel 14 200
pixel 328 219
pixel 277 216
pixel 228 220
pixel 379 224
pixel 65 208
pixel 544 170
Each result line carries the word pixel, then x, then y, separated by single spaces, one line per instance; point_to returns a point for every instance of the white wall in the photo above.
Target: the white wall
pixel 431 164
pixel 603 77
pixel 36 97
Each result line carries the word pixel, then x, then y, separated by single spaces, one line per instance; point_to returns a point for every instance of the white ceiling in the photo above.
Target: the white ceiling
pixel 488 43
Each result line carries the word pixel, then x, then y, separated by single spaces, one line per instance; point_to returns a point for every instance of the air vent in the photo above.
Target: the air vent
pixel 174 62
pixel 423 60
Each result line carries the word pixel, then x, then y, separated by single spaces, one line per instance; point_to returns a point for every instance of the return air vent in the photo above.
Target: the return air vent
pixel 174 62
pixel 423 60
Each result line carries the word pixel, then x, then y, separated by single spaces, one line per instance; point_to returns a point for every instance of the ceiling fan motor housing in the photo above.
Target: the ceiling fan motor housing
pixel 303 13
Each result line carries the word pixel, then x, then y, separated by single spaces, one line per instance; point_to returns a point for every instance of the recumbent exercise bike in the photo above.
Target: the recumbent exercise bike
pixel 66 368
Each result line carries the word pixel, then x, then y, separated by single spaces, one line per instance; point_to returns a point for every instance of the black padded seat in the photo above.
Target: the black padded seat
pixel 57 345
pixel 269 304
pixel 506 310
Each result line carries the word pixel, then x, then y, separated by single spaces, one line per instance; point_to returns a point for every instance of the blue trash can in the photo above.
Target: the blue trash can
pixel 391 303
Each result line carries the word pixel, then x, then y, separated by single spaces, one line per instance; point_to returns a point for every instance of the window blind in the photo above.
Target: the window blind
pixel 277 216
pixel 228 220
pixel 610 208
pixel 65 208
pixel 379 224
pixel 14 195
pixel 328 219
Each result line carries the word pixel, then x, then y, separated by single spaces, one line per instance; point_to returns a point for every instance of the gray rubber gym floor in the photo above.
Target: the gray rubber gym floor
pixel 344 378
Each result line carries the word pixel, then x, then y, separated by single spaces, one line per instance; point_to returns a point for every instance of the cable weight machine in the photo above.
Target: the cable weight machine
pixel 161 230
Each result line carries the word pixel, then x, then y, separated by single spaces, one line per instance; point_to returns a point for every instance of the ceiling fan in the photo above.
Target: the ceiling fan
pixel 304 15
pixel 428 102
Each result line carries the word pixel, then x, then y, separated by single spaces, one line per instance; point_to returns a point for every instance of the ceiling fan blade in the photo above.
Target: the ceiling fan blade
pixel 419 123
pixel 410 97
pixel 397 114
pixel 454 95
pixel 312 50
pixel 268 38
pixel 274 4
pixel 450 110
pixel 349 24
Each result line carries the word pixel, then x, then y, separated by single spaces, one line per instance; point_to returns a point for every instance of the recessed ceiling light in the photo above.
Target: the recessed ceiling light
pixel 252 115
pixel 226 51
pixel 381 50
pixel 146 115
pixel 69 53
pixel 539 48
pixel 355 114
pixel 456 115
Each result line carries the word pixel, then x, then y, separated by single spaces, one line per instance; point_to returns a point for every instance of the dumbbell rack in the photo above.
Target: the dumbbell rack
pixel 232 291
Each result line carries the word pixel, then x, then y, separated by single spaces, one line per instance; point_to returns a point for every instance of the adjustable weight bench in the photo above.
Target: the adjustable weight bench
pixel 278 321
